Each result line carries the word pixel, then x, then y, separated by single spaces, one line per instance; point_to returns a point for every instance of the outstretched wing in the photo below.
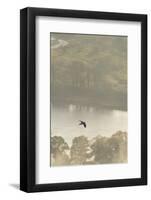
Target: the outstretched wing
pixel 84 125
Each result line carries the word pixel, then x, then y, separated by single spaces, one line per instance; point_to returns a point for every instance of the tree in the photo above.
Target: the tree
pixel 79 150
pixel 58 151
pixel 110 150
pixel 121 138
pixel 101 150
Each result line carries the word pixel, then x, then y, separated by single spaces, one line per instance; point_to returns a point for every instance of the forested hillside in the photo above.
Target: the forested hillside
pixel 88 69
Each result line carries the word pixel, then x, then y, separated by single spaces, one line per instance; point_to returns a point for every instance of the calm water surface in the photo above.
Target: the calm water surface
pixel 65 122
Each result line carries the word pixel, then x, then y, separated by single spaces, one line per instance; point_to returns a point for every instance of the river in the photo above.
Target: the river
pixel 65 122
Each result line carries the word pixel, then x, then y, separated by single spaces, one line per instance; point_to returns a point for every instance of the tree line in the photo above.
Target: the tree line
pixel 98 150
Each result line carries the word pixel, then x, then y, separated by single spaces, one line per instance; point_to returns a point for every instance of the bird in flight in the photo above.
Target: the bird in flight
pixel 82 123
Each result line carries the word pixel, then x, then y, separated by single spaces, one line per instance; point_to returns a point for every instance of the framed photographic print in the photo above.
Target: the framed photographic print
pixel 83 99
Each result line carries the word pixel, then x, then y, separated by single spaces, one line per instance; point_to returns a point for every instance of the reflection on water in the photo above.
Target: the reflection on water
pixel 72 108
pixel 65 121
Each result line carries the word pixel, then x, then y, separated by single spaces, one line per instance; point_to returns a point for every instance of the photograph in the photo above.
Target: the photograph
pixel 88 99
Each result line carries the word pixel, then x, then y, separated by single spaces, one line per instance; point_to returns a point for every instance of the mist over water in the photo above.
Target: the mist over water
pixel 104 122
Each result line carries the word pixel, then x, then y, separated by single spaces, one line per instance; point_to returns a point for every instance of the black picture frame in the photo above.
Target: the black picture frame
pixel 28 99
